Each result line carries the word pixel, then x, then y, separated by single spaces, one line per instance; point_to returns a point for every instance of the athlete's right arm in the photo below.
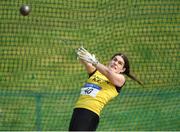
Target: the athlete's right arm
pixel 88 66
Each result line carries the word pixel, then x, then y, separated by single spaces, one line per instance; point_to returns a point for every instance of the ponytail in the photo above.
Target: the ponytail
pixel 134 78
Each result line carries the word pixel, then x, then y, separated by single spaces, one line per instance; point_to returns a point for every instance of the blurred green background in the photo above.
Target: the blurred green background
pixel 40 77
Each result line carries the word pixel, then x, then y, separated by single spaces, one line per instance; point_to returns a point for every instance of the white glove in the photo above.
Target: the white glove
pixel 86 56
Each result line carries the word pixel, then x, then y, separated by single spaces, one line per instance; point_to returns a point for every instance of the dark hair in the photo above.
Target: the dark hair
pixel 127 66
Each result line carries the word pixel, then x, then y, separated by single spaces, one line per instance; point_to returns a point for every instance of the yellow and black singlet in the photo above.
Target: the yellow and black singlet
pixel 96 92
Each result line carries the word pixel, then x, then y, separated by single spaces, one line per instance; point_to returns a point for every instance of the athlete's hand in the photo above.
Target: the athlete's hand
pixel 86 56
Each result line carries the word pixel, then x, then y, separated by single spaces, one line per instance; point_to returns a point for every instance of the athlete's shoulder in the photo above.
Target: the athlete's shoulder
pixel 93 72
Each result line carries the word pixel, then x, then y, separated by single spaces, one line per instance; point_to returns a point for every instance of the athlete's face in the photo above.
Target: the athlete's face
pixel 117 64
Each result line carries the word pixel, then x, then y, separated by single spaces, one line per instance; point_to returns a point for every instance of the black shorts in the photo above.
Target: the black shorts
pixel 83 120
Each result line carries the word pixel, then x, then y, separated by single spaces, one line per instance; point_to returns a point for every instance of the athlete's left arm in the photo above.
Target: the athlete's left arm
pixel 115 78
pixel 88 66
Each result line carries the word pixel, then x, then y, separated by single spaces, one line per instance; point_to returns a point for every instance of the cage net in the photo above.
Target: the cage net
pixel 40 76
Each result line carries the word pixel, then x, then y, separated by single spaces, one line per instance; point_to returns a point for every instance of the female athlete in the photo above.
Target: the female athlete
pixel 103 84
